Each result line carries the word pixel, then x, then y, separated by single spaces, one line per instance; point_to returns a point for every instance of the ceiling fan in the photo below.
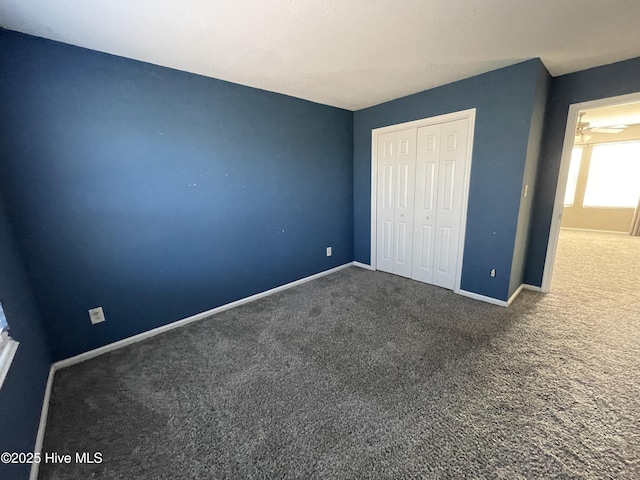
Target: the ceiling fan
pixel 583 129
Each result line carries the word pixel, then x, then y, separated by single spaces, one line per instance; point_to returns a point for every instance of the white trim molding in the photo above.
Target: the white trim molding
pixel 532 288
pixel 615 232
pixel 151 333
pixel 363 265
pixel 495 301
pixel 483 298
pixel 449 117
pixel 185 321
pixel 44 414
pixel 515 294
pixel 567 147
pixel 180 323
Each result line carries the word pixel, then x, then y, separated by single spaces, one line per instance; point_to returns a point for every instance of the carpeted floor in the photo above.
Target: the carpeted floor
pixel 363 375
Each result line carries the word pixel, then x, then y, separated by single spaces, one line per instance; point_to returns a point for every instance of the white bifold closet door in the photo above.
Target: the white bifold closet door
pixel 420 197
pixel 395 202
pixel 440 167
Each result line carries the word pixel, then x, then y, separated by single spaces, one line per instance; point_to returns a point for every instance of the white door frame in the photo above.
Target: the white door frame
pixel 567 147
pixel 449 117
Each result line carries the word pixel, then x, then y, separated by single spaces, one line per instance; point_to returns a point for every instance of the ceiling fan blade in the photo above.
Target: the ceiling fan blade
pixel 606 129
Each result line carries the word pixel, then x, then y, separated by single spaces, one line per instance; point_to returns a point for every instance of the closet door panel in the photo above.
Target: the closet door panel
pixel 426 195
pixel 385 202
pixel 453 157
pixel 404 201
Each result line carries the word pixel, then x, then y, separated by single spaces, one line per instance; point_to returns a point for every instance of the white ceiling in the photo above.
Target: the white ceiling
pixel 345 53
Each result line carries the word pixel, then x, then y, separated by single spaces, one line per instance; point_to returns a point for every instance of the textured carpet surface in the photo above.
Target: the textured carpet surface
pixel 366 375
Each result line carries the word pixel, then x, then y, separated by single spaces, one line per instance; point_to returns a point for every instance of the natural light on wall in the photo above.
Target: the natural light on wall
pixel 3 320
pixel 7 347
pixel 614 176
pixel 572 181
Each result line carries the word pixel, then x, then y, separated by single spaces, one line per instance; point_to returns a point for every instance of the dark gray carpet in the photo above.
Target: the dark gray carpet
pixel 367 375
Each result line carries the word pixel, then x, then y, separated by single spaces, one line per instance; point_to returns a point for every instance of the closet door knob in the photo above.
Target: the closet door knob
pixel 426 218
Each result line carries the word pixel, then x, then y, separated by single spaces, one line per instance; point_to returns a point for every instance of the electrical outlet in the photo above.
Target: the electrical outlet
pixel 96 315
pixel 492 272
pixel 329 252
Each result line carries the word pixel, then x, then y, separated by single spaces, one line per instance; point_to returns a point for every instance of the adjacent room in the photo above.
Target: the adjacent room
pixel 602 188
pixel 599 236
pixel 319 239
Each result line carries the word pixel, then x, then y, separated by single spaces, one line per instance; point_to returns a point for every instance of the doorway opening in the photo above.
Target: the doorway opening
pixel 598 192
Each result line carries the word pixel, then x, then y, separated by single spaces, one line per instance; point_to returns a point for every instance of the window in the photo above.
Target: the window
pixel 572 181
pixel 3 320
pixel 7 347
pixel 614 176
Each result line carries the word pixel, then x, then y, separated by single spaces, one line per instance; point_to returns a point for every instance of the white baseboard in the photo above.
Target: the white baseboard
pixel 515 294
pixel 533 288
pixel 363 265
pixel 575 229
pixel 185 321
pixel 137 338
pixel 495 301
pixel 483 298
pixel 43 422
pixel 151 333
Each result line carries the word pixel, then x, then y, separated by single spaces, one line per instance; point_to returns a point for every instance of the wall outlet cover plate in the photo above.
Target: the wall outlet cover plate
pixel 96 315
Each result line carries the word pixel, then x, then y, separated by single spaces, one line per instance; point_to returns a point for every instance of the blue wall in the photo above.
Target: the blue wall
pixel 525 213
pixel 23 390
pixel 602 82
pixel 505 100
pixel 158 194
